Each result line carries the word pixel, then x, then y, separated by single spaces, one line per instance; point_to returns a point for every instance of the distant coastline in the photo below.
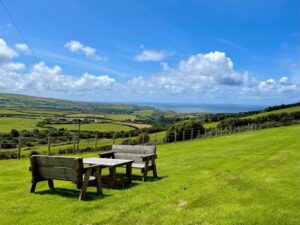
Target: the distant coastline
pixel 207 108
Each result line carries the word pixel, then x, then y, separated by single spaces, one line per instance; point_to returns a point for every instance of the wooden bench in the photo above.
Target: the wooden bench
pixel 49 168
pixel 143 157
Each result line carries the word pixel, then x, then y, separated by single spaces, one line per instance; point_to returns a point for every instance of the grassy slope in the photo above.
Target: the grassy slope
pixel 250 178
pixel 102 127
pixel 287 110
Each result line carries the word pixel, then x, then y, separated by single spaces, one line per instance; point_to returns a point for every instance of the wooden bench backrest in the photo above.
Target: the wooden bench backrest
pixel 55 167
pixel 133 152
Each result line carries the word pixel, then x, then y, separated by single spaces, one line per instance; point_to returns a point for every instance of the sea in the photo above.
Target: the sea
pixel 205 108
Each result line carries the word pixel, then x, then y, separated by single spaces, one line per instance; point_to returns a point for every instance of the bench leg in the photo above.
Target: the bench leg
pixel 98 180
pixel 154 167
pixel 85 184
pixel 129 172
pixel 145 171
pixel 112 177
pixel 32 186
pixel 51 184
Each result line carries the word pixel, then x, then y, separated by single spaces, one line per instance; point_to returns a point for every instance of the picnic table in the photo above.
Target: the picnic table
pixel 112 180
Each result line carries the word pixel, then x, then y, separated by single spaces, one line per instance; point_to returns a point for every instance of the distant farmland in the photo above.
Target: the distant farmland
pixel 101 127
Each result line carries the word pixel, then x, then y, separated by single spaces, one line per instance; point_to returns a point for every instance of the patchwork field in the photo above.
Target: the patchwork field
pixel 7 124
pixel 247 178
pixel 101 127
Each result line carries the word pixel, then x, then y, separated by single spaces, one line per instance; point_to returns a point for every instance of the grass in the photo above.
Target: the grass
pixel 211 125
pixel 8 123
pixel 101 127
pixel 287 110
pixel 248 178
pixel 145 113
pixel 120 117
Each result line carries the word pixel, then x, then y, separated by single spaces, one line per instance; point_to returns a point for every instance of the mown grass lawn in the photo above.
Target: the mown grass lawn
pixel 248 178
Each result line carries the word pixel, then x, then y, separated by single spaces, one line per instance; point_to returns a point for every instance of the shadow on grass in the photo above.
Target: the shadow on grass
pixel 69 193
pixel 149 178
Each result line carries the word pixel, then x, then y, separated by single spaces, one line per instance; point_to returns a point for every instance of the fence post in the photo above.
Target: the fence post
pixel 74 144
pixel 78 141
pixel 49 144
pixel 155 139
pixel 143 138
pixel 192 133
pixel 198 135
pixel 205 132
pixel 114 138
pixel 183 135
pixel 175 136
pixel 96 141
pixel 19 146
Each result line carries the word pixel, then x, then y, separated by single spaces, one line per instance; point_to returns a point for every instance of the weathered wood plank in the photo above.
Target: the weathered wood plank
pixel 56 161
pixel 134 149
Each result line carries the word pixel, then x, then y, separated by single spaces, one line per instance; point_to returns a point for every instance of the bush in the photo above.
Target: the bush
pixel 142 138
pixel 33 153
pixel 186 126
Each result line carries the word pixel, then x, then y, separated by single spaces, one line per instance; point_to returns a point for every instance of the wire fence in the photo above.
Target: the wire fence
pixel 53 145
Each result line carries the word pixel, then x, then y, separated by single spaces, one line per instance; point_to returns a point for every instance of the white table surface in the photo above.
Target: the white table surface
pixel 106 162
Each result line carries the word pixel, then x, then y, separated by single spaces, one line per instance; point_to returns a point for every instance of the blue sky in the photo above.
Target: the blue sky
pixel 220 51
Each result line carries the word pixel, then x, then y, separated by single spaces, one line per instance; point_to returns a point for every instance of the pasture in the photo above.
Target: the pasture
pixel 286 110
pixel 101 127
pixel 9 123
pixel 247 178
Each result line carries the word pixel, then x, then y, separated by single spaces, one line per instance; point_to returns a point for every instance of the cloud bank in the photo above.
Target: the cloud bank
pixel 199 77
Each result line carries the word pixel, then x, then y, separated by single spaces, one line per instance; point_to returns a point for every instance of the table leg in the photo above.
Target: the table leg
pixel 112 177
pixel 129 172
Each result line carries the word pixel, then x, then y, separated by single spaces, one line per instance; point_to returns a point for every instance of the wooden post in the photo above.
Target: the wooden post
pixel 155 141
pixel 74 144
pixel 114 138
pixel 49 144
pixel 143 138
pixel 129 138
pixel 183 135
pixel 198 135
pixel 78 141
pixel 192 131
pixel 205 132
pixel 19 146
pixel 96 141
pixel 175 137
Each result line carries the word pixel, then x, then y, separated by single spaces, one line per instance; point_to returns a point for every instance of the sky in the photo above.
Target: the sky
pixel 191 51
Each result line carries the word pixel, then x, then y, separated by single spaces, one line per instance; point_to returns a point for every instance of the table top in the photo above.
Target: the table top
pixel 107 162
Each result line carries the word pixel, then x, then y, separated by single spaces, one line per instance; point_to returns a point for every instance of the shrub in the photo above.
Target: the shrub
pixel 33 152
pixel 186 126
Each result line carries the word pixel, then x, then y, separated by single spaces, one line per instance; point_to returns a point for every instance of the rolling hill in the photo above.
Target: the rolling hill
pixel 15 101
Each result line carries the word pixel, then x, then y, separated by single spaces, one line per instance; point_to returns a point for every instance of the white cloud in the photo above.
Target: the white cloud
pixel 46 79
pixel 210 75
pixel 150 55
pixel 6 53
pixel 199 77
pixel 76 46
pixel 23 48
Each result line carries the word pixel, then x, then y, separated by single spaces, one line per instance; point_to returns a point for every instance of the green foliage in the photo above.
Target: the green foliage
pixel 186 126
pixel 270 120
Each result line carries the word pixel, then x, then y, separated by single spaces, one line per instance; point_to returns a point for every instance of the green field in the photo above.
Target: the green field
pixel 286 110
pixel 249 178
pixel 120 117
pixel 101 127
pixel 211 125
pixel 145 113
pixel 7 124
